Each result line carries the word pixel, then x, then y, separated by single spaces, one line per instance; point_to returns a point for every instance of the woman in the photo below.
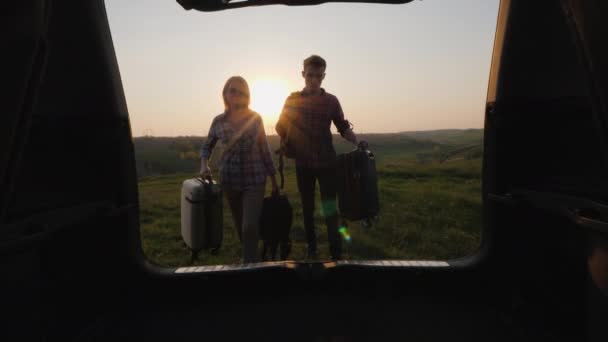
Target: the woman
pixel 245 163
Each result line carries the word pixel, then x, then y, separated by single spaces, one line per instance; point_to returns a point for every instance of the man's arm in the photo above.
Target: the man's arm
pixel 343 126
pixel 349 135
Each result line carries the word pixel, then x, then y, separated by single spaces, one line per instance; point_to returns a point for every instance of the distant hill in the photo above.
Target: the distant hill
pixel 168 155
pixel 469 136
pixel 454 144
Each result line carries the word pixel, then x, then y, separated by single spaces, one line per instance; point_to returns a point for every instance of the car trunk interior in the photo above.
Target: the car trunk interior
pixel 70 249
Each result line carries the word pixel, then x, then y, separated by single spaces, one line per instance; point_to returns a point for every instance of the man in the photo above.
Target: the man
pixel 304 128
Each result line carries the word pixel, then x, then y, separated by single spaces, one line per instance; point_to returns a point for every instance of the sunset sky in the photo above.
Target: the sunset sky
pixel 418 66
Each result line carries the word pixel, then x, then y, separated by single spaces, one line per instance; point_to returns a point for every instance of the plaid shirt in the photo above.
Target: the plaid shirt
pixel 306 121
pixel 249 161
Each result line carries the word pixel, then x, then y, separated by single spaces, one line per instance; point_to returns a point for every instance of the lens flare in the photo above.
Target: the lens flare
pixel 344 233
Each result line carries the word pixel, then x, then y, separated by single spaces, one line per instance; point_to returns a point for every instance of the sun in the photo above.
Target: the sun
pixel 267 98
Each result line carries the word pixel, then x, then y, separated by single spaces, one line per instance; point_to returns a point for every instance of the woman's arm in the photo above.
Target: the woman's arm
pixel 266 155
pixel 205 169
pixel 264 149
pixel 207 149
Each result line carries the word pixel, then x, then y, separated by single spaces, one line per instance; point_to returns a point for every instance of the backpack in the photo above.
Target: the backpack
pixel 289 144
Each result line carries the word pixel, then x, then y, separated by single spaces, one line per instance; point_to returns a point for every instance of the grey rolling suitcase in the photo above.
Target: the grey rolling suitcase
pixel 202 215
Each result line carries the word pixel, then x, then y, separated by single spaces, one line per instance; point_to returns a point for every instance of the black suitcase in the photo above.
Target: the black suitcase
pixel 275 226
pixel 275 222
pixel 358 185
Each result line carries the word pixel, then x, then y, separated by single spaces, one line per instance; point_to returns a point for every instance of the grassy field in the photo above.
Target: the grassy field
pixel 429 210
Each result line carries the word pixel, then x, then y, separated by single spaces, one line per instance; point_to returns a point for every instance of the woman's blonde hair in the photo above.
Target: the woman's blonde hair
pixel 231 80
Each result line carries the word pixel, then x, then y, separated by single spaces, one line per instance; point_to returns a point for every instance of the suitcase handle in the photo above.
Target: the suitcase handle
pixel 206 180
pixel 362 145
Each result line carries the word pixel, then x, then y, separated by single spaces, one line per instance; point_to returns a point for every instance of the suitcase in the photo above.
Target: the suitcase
pixel 202 214
pixel 275 226
pixel 358 185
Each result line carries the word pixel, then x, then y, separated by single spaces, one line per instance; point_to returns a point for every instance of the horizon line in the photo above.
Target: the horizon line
pixel 365 133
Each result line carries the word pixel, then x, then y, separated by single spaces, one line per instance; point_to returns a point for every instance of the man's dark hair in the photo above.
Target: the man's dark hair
pixel 315 62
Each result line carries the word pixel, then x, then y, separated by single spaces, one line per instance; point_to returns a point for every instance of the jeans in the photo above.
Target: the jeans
pixel 307 178
pixel 246 208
